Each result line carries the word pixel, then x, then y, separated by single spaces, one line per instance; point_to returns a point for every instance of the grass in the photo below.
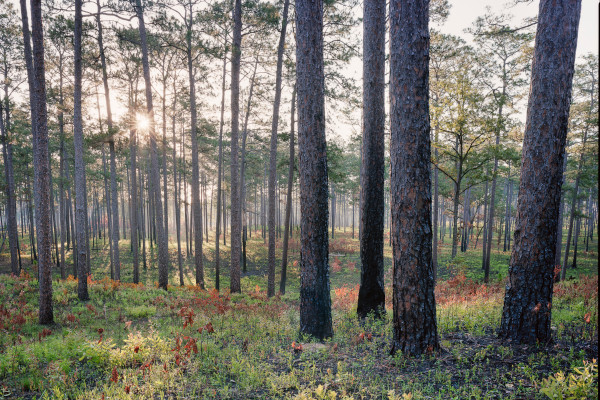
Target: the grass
pixel 137 341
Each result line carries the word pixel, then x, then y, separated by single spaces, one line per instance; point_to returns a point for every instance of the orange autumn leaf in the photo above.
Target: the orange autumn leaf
pixel 587 317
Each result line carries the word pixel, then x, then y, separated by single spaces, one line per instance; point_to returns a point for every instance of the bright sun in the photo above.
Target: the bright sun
pixel 142 122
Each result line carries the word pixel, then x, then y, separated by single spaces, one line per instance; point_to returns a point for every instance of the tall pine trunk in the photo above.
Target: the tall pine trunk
pixel 163 255
pixel 527 308
pixel 11 203
pixel 315 301
pixel 371 295
pixel 415 329
pixel 236 214
pixel 219 181
pixel 176 191
pixel 273 152
pixel 196 209
pixel 41 165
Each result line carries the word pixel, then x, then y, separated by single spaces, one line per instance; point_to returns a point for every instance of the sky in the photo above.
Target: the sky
pixel 464 12
pixel 462 15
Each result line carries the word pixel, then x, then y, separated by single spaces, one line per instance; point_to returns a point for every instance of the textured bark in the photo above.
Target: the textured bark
pixel 415 330
pixel 163 255
pixel 273 153
pixel 41 165
pixel 528 299
pixel 288 204
pixel 196 209
pixel 371 296
pixel 236 215
pixel 315 301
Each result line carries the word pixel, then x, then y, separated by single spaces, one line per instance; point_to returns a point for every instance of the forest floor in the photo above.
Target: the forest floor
pixel 137 341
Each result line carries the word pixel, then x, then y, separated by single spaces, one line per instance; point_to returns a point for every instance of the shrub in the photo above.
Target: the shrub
pixel 579 385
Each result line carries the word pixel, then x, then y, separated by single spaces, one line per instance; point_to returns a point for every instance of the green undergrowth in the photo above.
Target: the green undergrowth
pixel 135 341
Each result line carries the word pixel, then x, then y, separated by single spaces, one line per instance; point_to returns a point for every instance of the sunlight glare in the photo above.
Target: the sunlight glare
pixel 142 122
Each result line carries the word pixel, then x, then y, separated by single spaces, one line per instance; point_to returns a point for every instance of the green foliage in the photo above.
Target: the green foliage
pixel 582 384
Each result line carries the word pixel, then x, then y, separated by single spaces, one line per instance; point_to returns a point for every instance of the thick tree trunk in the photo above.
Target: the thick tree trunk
pixel 315 301
pixel 528 300
pixel 371 295
pixel 41 158
pixel 273 153
pixel 415 330
pixel 236 215
pixel 288 203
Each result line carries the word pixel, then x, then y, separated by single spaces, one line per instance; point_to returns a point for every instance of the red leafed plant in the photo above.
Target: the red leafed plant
pixel 45 332
pixel 92 309
pixel 337 265
pixel 114 376
pixel 72 318
pixel 297 347
pixel 188 316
